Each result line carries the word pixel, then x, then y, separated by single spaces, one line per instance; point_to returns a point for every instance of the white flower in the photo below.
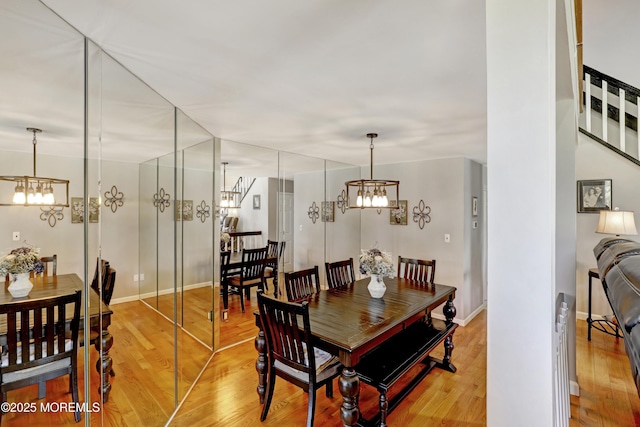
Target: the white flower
pixel 374 261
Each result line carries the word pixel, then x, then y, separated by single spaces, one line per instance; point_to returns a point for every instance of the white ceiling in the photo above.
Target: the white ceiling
pixel 309 77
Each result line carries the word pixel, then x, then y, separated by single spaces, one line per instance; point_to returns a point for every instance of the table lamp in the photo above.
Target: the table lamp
pixel 616 222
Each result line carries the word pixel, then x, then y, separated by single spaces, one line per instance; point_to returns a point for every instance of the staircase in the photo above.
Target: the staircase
pixel 618 128
pixel 242 186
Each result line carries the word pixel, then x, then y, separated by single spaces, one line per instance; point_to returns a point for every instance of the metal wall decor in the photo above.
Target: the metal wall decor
pixel 314 212
pixel 421 214
pixel 161 200
pixel 342 201
pixel 113 199
pixel 52 215
pixel 203 211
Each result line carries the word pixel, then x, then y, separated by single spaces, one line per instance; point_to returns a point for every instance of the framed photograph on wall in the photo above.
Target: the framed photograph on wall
pixel 77 210
pixel 256 201
pixel 328 209
pixel 594 195
pixel 398 212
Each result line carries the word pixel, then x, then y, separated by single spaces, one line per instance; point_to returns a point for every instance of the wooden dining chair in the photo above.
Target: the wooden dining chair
pixel 274 255
pixel 417 269
pixel 339 273
pixel 48 271
pixel 37 352
pixel 301 284
pixel 289 346
pixel 251 274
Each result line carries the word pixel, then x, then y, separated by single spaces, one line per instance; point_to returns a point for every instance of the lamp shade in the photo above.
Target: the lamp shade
pixel 616 222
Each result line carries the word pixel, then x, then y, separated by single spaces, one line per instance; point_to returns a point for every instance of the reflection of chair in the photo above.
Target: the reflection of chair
pixel 104 279
pixel 301 284
pixel 36 349
pixel 289 345
pixel 251 274
pixel 274 255
pixel 417 269
pixel 46 260
pixel 100 274
pixel 340 273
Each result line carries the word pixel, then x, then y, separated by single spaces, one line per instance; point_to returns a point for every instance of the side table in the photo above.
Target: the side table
pixel 603 325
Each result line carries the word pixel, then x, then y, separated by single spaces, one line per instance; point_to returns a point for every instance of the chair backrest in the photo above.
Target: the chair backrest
pixel 253 263
pixel 287 341
pixel 417 269
pixel 340 273
pixel 108 284
pixel 36 336
pixel 234 224
pixel 53 260
pixel 225 257
pixel 100 274
pixel 301 284
pixel 276 250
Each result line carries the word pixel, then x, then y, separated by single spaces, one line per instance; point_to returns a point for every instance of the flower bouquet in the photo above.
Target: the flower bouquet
pixel 378 264
pixel 20 262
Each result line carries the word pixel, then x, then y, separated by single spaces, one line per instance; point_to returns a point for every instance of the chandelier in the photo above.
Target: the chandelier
pixel 35 190
pixel 228 199
pixel 371 193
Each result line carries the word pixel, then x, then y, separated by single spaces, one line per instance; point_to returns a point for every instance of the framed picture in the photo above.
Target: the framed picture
pixel 474 206
pixel 256 201
pixel 594 195
pixel 328 209
pixel 77 210
pixel 398 212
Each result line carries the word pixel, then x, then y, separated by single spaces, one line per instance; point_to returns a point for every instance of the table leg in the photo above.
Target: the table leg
pixel 104 365
pixel 349 386
pixel 261 364
pixel 449 312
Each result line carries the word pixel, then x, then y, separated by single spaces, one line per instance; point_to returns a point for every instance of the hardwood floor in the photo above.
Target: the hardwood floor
pixel 225 394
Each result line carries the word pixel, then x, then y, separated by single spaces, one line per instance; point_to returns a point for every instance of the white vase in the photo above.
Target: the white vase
pixel 21 285
pixel 376 286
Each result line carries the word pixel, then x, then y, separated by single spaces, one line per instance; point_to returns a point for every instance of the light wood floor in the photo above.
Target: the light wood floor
pixel 225 394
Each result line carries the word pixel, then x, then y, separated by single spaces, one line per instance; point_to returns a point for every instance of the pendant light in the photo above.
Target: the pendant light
pixel 228 199
pixel 371 193
pixel 35 190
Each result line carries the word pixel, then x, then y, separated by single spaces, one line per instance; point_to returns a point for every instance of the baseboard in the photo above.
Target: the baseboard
pixel 465 321
pixel 153 294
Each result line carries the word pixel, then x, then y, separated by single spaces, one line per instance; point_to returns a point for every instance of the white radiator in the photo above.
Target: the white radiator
pixel 561 392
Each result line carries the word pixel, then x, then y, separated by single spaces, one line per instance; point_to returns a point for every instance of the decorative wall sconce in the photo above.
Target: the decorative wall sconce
pixel 342 201
pixel 203 211
pixel 314 212
pixel 52 215
pixel 113 199
pixel 421 214
pixel 161 200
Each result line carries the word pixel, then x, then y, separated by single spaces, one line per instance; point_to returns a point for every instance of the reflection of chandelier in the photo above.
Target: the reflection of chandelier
pixel 228 199
pixel 371 193
pixel 34 190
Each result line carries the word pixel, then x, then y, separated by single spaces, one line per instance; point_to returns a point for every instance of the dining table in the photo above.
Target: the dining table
pixel 350 324
pixel 99 317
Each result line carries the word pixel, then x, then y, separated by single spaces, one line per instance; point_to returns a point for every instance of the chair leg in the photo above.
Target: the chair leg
pixel 242 298
pixel 74 392
pixel 225 296
pixel 312 405
pixel 271 384
pixel 329 389
pixel 42 389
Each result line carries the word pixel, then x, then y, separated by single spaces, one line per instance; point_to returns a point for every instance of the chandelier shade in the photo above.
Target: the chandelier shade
pixel 371 193
pixel 228 199
pixel 34 190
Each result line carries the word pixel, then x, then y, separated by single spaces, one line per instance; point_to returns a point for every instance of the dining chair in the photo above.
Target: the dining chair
pixel 48 271
pixel 251 274
pixel 38 350
pixel 274 255
pixel 301 284
pixel 339 273
pixel 100 274
pixel 417 269
pixel 289 346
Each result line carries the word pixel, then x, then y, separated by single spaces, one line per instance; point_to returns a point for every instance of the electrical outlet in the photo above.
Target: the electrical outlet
pixel 447 238
pixel 16 235
pixel 141 277
pixel 225 314
pixel 135 278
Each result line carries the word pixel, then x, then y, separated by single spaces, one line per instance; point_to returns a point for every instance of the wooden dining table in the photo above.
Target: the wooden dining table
pixel 51 286
pixel 349 323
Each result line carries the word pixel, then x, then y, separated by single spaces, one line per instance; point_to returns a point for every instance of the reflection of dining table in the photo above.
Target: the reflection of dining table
pixel 349 323
pixel 50 286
